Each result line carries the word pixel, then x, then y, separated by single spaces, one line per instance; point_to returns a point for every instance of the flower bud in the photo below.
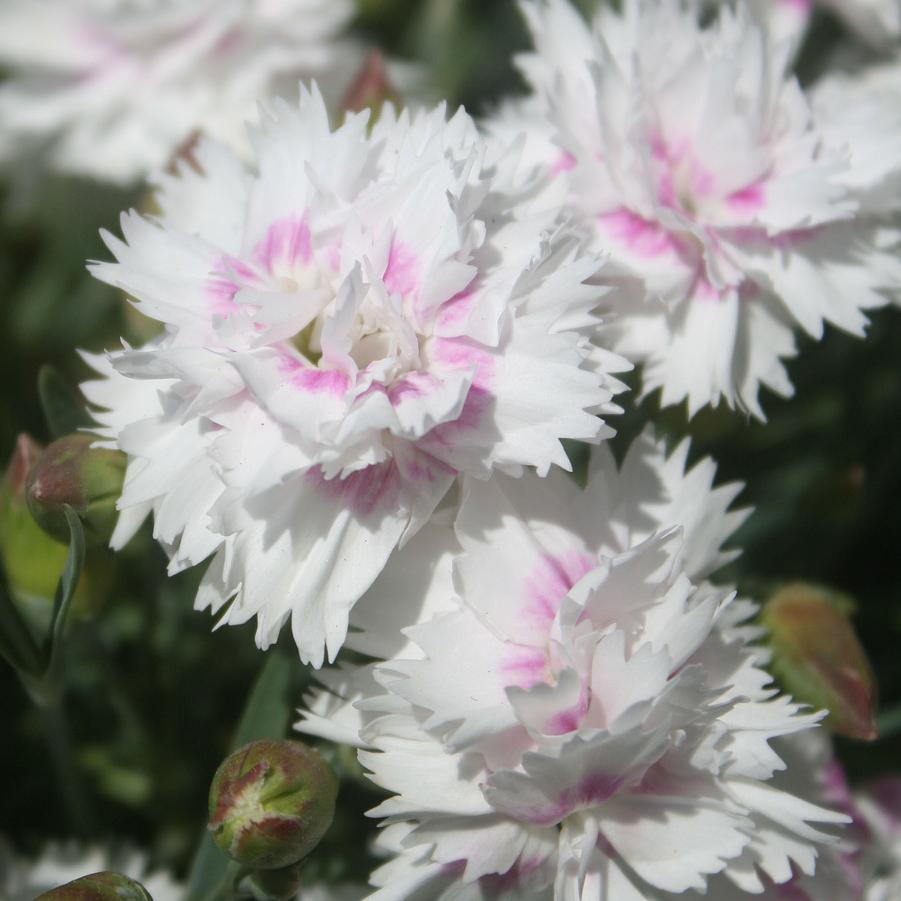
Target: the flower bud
pixel 88 479
pixel 271 802
pixel 104 886
pixel 819 659
pixel 371 87
pixel 32 560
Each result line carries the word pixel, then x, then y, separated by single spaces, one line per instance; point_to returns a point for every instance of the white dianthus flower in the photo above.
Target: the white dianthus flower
pixel 691 156
pixel 577 713
pixel 349 325
pixel 112 88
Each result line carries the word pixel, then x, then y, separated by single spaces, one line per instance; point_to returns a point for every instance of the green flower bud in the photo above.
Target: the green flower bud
pixel 31 559
pixel 104 886
pixel 819 659
pixel 88 479
pixel 271 802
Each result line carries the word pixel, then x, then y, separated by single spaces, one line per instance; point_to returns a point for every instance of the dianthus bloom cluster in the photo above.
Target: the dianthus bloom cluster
pixel 349 325
pixel 376 337
pixel 111 88
pixel 693 158
pixel 577 708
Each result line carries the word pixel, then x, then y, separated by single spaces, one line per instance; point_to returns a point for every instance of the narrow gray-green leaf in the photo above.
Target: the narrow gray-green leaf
pixel 65 592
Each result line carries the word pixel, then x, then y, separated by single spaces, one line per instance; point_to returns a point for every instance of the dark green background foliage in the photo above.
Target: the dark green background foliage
pixel 154 698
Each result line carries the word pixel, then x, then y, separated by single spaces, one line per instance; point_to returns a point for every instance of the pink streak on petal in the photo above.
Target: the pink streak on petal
pixel 228 43
pixel 228 276
pixel 566 162
pixel 800 6
pixel 221 293
pixel 495 885
pixel 463 353
pixel 703 292
pixel 318 380
pixel 421 469
pixel 526 667
pixel 476 408
pixel 402 272
pixel 549 581
pixel 570 720
pixel 364 492
pixel 640 236
pixel 593 789
pixel 748 200
pixel 309 378
pixel 455 311
pixel 287 242
pixel 412 385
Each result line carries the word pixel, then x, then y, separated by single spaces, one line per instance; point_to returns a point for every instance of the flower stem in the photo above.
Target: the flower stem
pixel 226 889
pixel 71 788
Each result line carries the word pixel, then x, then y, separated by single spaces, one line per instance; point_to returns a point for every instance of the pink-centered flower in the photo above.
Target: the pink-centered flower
pixel 692 157
pixel 577 712
pixel 350 324
pixel 112 88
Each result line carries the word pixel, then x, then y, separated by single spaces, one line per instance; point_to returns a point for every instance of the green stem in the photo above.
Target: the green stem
pixel 71 788
pixel 225 890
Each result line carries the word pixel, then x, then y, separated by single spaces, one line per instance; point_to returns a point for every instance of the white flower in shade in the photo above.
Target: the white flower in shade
pixel 692 157
pixel 865 865
pixel 577 713
pixel 879 804
pixel 860 113
pixel 786 20
pixel 876 22
pixel 23 880
pixel 112 88
pixel 349 326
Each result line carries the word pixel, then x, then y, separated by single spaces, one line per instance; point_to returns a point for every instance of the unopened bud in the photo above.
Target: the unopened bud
pixel 88 479
pixel 32 560
pixel 271 802
pixel 371 87
pixel 819 659
pixel 104 886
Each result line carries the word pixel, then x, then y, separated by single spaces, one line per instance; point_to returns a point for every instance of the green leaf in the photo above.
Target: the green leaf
pixel 63 408
pixel 41 669
pixel 65 592
pixel 16 642
pixel 266 715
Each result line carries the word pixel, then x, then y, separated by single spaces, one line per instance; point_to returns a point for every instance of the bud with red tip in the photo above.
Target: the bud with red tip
pixel 105 886
pixel 371 87
pixel 271 802
pixel 819 659
pixel 88 479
